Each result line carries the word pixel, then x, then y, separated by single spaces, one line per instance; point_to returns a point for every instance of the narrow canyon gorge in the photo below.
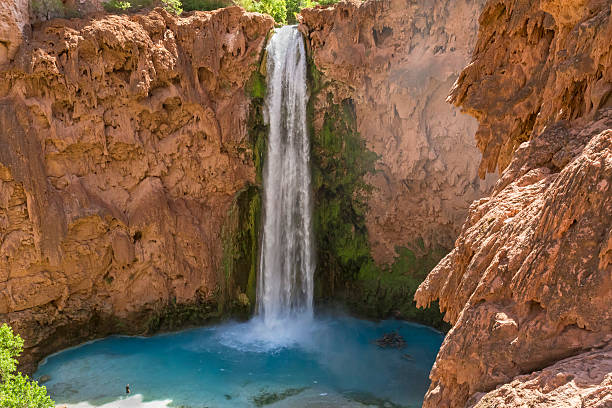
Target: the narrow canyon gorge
pixel 462 147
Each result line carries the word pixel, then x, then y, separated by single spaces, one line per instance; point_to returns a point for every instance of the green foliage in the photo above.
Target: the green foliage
pixel 114 6
pixel 20 392
pixel 10 347
pixel 240 232
pixel 48 9
pixel 340 160
pixel 345 267
pixel 327 2
pixel 240 238
pixel 275 8
pixel 257 86
pixel 295 6
pixel 173 6
pixel 16 389
pixel 283 11
pixel 379 292
pixel 177 316
pixel 258 130
pixel 204 5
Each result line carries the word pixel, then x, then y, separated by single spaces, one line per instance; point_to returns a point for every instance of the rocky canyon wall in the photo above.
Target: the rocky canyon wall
pixel 14 25
pixel 127 144
pixel 124 141
pixel 396 61
pixel 404 160
pixel 529 282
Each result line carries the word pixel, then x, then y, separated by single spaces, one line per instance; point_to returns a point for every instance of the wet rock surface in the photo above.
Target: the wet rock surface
pixel 391 340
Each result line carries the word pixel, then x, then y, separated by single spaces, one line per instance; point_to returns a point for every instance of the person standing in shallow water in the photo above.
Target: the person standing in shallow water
pixel 127 389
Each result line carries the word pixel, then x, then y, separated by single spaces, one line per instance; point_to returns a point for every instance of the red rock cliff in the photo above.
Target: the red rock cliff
pixel 529 282
pixel 397 60
pixel 123 142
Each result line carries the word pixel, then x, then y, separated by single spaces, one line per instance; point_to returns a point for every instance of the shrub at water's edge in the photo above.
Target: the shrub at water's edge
pixel 16 389
pixel 346 271
pixel 389 290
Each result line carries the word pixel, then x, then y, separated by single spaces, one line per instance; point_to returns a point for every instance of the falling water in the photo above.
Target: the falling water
pixel 287 264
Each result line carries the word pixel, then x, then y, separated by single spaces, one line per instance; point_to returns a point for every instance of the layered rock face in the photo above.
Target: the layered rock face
pixel 14 20
pixel 529 282
pixel 124 140
pixel 581 381
pixel 396 62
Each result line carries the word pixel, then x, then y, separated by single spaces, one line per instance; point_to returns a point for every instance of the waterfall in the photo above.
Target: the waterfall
pixel 285 282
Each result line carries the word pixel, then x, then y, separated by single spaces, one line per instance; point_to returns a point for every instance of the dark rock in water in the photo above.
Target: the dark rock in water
pixel 44 379
pixel 268 397
pixel 370 400
pixel 391 340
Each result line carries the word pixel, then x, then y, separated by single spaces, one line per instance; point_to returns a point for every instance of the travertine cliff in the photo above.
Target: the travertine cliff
pixel 14 21
pixel 529 282
pixel 583 381
pixel 396 61
pixel 124 140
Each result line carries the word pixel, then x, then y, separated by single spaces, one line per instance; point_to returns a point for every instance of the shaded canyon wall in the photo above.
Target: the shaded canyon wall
pixel 391 64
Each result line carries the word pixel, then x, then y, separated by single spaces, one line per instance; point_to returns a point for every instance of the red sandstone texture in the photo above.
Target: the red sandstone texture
pixel 397 61
pixel 529 282
pixel 14 20
pixel 123 141
pixel 583 381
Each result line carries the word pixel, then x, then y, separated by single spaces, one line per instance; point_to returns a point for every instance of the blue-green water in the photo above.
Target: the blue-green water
pixel 329 361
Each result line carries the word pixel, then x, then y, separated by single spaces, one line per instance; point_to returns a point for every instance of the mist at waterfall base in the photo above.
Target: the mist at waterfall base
pixel 283 357
pixel 331 362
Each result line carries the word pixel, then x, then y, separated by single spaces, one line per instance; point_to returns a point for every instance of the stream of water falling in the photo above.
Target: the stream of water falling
pixel 285 282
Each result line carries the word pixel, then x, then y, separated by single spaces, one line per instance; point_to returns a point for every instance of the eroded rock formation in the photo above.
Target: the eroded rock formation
pixel 529 281
pixel 584 381
pixel 14 20
pixel 396 62
pixel 535 63
pixel 123 141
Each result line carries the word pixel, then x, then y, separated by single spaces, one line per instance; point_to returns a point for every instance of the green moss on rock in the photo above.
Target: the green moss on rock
pixel 240 234
pixel 340 161
pixel 389 290
pixel 175 316
pixel 258 130
pixel 346 271
pixel 240 251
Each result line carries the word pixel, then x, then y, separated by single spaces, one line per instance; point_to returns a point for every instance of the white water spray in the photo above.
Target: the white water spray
pixel 285 283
